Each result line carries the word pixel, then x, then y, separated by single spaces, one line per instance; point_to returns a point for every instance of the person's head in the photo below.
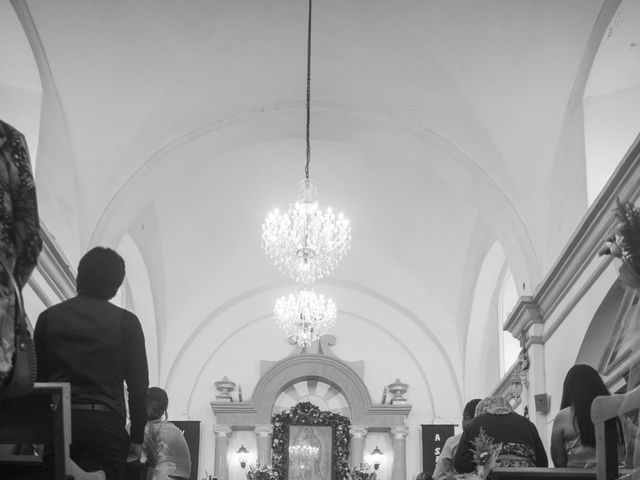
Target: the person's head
pixel 100 273
pixel 581 385
pixel 497 405
pixel 157 403
pixel 469 411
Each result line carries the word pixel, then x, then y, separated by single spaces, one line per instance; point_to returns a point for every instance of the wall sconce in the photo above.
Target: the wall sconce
pixel 243 454
pixel 376 457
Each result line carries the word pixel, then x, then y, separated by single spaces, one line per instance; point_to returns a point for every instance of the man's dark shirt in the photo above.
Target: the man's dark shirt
pixel 95 346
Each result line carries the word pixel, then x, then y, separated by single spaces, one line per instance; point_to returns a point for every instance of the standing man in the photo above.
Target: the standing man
pixel 96 347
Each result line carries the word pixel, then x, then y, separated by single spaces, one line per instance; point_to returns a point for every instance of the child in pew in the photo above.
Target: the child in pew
pixel 166 450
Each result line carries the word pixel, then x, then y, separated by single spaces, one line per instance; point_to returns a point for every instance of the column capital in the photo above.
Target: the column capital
pixel 221 430
pixel 264 430
pixel 399 432
pixel 358 431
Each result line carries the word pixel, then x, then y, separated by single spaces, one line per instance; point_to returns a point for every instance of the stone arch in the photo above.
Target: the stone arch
pixel 322 365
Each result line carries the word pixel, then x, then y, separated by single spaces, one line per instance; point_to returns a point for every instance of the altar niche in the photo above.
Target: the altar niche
pixel 314 364
pixel 310 444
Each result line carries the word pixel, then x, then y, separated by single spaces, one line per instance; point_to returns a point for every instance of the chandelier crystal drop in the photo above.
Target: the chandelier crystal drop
pixel 307 241
pixel 305 316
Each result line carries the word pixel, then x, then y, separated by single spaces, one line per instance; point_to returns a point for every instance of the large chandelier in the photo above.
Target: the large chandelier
pixel 305 316
pixel 306 242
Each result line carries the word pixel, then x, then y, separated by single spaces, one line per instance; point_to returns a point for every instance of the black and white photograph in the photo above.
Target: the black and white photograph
pixel 319 239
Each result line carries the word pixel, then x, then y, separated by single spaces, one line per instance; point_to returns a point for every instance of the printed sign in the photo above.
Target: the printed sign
pixel 433 438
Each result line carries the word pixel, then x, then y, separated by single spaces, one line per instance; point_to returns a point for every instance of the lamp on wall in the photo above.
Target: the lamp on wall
pixel 243 454
pixel 376 457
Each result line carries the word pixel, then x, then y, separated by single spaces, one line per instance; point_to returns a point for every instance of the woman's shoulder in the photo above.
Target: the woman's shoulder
pixel 564 416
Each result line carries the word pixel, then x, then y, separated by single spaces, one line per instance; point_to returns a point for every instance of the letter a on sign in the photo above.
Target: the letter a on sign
pixel 437 439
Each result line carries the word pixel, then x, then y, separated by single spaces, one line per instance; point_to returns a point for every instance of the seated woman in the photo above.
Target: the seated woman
pixel 164 445
pixel 521 444
pixel 573 437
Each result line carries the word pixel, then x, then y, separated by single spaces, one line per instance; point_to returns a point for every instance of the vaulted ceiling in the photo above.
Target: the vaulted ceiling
pixel 442 129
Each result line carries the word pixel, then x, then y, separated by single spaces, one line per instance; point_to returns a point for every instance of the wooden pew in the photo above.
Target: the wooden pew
pixel 605 411
pixel 43 417
pixel 543 473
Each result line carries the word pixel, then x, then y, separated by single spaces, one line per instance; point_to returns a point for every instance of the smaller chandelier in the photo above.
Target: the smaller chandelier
pixel 305 316
pixel 306 242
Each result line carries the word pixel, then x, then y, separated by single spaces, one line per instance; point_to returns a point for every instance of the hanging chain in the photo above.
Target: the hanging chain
pixel 306 168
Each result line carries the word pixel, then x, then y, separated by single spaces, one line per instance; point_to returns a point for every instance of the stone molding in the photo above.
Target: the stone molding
pixel 581 249
pixel 222 430
pixel 399 432
pixel 265 430
pixel 310 366
pixel 358 432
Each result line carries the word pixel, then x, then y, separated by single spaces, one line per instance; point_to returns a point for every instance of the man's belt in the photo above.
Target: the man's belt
pixel 90 406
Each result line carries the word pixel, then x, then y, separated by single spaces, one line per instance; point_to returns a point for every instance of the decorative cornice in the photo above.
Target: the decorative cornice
pixel 399 432
pixel 358 432
pixel 597 224
pixel 233 407
pixel 534 340
pixel 525 314
pixel 55 269
pixel 221 430
pixel 264 430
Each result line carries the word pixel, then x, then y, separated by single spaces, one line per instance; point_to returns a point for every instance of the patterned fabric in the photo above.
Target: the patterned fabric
pixel 20 241
pixel 494 405
pixel 516 455
pixel 166 451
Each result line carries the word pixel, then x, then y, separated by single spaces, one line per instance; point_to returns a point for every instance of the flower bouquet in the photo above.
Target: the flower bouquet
pixel 485 454
pixel 625 243
pixel 261 472
pixel 362 472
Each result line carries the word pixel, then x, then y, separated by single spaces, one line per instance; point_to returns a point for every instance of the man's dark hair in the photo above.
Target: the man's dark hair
pixel 100 273
pixel 470 408
pixel 157 403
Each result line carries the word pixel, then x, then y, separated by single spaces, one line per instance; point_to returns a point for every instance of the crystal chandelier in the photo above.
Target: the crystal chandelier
pixel 306 242
pixel 305 316
pixel 303 457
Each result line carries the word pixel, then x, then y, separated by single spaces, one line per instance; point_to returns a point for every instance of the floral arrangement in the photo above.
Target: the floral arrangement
pixel 362 472
pixel 261 472
pixel 306 413
pixel 485 453
pixel 625 242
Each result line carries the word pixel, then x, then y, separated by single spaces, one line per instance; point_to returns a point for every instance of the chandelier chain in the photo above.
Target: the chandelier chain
pixel 306 168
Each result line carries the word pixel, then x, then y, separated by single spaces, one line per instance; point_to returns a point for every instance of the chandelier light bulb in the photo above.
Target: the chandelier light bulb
pixel 305 316
pixel 306 242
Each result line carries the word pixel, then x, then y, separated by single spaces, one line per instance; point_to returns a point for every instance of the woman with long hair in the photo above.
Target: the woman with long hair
pixel 573 437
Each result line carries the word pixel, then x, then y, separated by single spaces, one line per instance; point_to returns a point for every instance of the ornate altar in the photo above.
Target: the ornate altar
pixel 333 384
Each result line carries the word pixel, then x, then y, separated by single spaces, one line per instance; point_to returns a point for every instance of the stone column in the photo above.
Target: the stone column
pixel 220 466
pixel 536 376
pixel 263 440
pixel 399 442
pixel 356 446
pixel 526 323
